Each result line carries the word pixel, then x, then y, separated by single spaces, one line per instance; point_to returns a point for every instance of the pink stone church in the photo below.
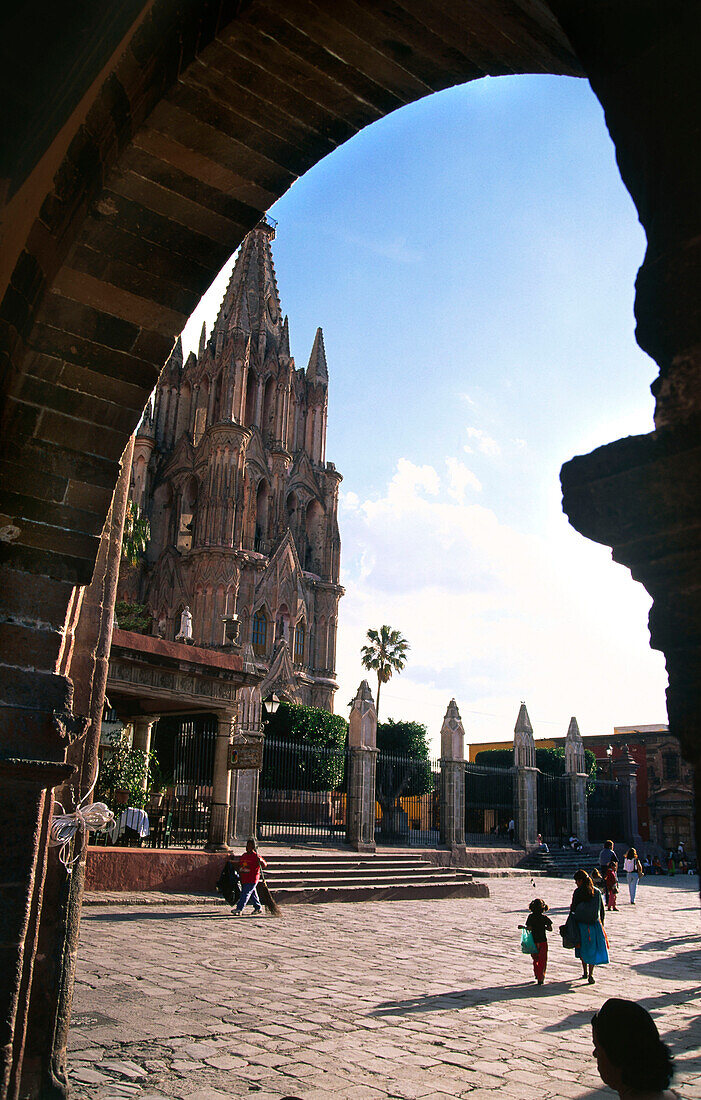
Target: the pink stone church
pixel 230 468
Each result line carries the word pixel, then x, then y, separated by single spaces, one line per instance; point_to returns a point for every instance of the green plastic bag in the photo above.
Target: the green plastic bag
pixel 528 944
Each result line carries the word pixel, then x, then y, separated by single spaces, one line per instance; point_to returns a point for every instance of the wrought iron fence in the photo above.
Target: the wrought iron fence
pixel 489 803
pixel 554 808
pixel 302 791
pixel 605 811
pixel 408 801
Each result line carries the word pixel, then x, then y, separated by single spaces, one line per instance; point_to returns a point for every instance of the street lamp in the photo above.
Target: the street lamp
pixel 271 703
pixel 609 754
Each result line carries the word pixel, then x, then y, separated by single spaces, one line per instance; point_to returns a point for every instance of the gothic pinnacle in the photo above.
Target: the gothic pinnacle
pixel 317 370
pixel 203 340
pixel 523 722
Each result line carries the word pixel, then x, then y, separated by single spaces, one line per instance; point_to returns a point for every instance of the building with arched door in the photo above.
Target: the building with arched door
pixel 230 467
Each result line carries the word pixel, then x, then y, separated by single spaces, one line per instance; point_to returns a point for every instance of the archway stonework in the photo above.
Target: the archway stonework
pixel 169 131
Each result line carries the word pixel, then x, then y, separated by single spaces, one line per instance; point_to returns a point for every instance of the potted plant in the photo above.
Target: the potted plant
pixel 127 772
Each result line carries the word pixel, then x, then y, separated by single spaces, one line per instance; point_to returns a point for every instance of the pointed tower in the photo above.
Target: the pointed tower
pixel 574 750
pixel 524 744
pixel 243 501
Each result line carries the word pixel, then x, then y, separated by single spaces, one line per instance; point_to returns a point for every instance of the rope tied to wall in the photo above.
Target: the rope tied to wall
pixel 84 819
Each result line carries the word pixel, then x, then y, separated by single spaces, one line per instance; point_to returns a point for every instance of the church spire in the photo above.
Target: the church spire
pixel 251 302
pixel 317 370
pixel 203 340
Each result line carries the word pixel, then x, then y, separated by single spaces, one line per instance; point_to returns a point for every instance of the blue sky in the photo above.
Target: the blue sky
pixel 471 259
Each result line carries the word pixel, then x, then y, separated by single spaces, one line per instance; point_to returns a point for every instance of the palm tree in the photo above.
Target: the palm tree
pixel 137 532
pixel 385 654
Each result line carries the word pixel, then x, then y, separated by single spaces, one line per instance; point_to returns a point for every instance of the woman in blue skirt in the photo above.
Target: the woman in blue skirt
pixel 588 908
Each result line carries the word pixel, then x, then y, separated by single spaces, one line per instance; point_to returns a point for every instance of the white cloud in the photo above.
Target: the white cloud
pixel 460 479
pixel 493 615
pixel 483 442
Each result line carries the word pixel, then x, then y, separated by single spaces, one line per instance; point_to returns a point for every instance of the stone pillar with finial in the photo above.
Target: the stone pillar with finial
pixel 362 742
pixel 625 771
pixel 452 799
pixel 576 773
pixel 525 781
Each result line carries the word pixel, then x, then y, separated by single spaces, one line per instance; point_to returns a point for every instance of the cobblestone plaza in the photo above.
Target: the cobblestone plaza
pixel 386 1000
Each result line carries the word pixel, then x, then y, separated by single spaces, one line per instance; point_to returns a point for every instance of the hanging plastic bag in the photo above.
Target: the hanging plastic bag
pixel 528 944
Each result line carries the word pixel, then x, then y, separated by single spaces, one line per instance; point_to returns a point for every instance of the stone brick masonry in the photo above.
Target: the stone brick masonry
pixel 403 1000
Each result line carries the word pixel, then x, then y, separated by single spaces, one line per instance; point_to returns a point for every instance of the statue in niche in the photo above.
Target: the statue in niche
pixel 185 632
pixel 162 625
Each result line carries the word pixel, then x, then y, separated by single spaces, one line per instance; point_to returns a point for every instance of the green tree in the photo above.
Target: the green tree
pixel 133 616
pixel 385 654
pixel 403 768
pixel 303 749
pixel 129 771
pixel 550 761
pixel 136 534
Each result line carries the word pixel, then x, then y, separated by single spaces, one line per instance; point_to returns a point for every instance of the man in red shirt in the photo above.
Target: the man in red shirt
pixel 249 865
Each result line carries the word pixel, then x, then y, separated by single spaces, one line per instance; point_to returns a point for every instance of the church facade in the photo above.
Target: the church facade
pixel 230 468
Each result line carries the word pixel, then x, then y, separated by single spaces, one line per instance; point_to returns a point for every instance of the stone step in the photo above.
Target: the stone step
pixel 293 882
pixel 314 895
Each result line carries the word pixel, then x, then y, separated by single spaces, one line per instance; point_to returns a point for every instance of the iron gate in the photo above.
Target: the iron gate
pixel 489 803
pixel 302 791
pixel 408 801
pixel 554 808
pixel 604 810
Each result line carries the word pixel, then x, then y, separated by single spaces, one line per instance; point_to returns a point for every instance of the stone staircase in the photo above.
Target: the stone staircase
pixel 561 862
pixel 321 877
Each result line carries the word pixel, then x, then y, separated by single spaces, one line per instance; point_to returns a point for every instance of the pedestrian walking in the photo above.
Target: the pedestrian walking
pixel 249 865
pixel 606 855
pixel 611 880
pixel 587 906
pixel 539 925
pixel 512 830
pixel 630 1056
pixel 634 872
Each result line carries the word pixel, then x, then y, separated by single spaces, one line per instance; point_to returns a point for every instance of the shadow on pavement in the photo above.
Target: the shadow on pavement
pixel 469 998
pixel 150 914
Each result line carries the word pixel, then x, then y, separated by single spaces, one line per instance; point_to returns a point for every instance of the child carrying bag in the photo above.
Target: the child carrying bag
pixel 528 944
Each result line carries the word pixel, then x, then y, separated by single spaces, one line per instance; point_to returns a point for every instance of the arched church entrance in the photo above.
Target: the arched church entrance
pixel 171 131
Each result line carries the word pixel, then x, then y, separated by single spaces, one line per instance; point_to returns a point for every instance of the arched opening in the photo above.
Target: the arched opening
pixel 120 281
pixel 314 537
pixel 200 419
pixel 282 625
pixel 260 632
pixel 299 642
pixel 186 525
pixel 249 404
pixel 268 417
pixel 262 508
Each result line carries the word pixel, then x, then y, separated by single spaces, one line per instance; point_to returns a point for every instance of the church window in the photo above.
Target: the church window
pixel 670 762
pixel 299 642
pixel 259 632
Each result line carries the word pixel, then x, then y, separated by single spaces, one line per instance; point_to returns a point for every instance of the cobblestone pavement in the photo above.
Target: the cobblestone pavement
pixel 378 1000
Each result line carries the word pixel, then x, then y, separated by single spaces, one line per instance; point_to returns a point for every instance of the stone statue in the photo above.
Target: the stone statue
pixel 162 625
pixel 185 632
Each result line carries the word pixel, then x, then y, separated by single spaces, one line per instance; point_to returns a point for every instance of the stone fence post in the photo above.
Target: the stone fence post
pixel 625 770
pixel 525 781
pixel 362 741
pixel 219 818
pixel 245 782
pixel 576 772
pixel 452 797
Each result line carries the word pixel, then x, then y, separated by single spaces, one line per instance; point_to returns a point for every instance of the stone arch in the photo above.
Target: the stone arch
pixel 127 192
